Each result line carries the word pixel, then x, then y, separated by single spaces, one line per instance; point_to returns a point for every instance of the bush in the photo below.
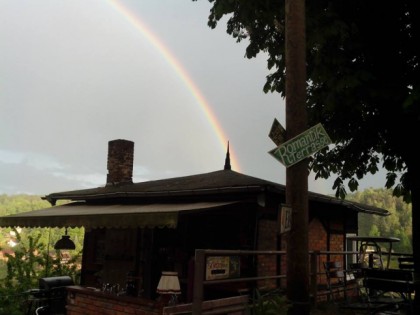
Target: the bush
pixel 31 261
pixel 269 303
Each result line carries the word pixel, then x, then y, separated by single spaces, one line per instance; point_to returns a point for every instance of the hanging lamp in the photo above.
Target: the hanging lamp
pixel 65 242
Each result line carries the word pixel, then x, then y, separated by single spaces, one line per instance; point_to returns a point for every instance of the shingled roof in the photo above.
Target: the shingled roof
pixel 157 202
pixel 223 181
pixel 207 183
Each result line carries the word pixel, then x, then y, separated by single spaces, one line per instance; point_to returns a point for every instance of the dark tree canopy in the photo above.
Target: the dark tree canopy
pixel 363 85
pixel 363 80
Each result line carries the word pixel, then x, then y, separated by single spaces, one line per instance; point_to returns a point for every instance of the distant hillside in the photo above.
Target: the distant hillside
pixel 12 204
pixel 397 224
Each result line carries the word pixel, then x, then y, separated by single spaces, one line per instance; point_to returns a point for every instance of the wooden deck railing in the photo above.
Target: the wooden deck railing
pixel 317 274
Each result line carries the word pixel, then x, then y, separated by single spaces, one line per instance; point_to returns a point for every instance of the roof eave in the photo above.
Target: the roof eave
pixel 52 198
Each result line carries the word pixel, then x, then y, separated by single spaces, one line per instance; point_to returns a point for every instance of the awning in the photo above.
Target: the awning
pixel 80 214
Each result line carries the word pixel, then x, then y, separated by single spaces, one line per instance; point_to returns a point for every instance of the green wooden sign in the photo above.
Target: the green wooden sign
pixel 301 146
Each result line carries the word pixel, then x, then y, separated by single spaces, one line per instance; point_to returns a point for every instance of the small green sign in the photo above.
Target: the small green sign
pixel 301 146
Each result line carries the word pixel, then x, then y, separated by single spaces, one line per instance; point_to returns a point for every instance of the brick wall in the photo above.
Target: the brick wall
pixel 318 242
pixel 267 240
pixel 87 302
pixel 317 236
pixel 267 264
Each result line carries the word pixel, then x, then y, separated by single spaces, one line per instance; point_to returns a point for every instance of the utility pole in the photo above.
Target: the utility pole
pixel 297 174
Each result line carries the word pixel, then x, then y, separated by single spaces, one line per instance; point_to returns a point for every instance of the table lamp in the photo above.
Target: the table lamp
pixel 169 287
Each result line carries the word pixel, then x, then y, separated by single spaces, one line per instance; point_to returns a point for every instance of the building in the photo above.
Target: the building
pixel 134 231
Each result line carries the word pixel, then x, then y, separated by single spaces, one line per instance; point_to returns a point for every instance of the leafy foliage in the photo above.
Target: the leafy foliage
pixel 397 224
pixel 268 303
pixel 12 204
pixel 363 80
pixel 30 261
pixel 363 85
pixel 29 255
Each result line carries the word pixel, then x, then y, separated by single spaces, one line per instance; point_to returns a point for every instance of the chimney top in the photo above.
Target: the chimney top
pixel 120 162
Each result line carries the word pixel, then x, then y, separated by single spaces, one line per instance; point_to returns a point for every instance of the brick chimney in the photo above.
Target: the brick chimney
pixel 120 162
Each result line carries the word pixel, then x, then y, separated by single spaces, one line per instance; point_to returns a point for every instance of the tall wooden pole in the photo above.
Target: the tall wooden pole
pixel 297 174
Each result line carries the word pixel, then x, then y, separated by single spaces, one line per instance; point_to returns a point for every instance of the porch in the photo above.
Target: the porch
pixel 238 291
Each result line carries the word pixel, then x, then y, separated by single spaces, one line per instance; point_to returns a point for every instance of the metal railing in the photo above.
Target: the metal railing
pixel 315 262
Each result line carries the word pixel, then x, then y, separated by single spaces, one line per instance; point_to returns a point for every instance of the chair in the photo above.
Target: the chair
pixel 340 281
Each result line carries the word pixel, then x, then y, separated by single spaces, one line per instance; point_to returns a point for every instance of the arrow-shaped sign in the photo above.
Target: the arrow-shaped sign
pixel 301 146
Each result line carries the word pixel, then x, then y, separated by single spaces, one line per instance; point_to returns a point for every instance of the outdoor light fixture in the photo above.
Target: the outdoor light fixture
pixel 169 287
pixel 65 243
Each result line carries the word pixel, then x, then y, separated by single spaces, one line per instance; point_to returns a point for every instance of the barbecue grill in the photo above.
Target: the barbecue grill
pixel 50 283
pixel 50 297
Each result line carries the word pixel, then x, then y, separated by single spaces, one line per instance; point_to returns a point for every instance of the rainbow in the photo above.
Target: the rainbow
pixel 136 22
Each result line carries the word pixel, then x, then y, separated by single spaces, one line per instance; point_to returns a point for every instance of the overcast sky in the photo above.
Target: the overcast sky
pixel 75 74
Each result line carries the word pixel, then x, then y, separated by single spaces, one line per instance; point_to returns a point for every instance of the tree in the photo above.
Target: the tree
pixel 31 260
pixel 363 85
pixel 397 224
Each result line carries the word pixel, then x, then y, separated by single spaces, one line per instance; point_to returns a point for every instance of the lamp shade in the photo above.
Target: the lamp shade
pixel 169 283
pixel 65 243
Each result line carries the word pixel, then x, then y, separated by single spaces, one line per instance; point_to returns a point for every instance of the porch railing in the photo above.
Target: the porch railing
pixel 315 262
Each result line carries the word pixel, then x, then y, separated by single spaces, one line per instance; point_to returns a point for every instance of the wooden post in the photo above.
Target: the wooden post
pixel 199 266
pixel 297 174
